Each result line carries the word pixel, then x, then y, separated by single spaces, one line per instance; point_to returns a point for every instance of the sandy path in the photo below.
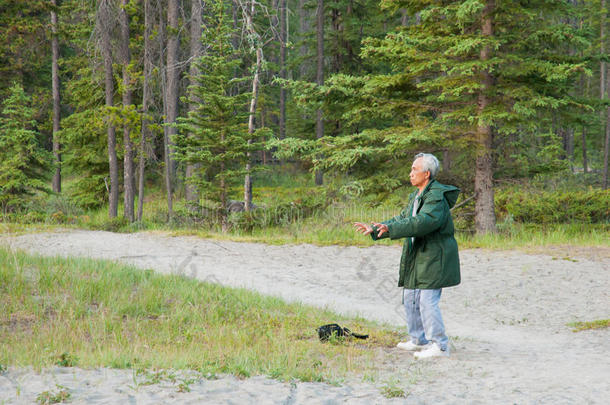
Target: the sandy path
pixel 507 320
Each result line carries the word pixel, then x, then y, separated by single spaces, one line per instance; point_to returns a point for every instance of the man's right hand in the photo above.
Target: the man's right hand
pixel 363 228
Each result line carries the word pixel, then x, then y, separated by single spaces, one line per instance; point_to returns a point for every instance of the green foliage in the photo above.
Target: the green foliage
pixel 425 90
pixel 67 360
pixel 23 162
pixel 214 136
pixel 392 390
pixel 54 397
pixel 84 139
pixel 529 206
pixel 598 324
pixel 22 52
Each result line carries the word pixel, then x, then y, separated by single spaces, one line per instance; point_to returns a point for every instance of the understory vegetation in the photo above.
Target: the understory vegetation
pixel 290 208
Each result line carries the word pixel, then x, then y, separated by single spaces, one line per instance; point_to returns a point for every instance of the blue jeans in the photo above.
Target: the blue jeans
pixel 424 320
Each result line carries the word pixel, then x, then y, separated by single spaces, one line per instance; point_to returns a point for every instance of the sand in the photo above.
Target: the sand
pixel 507 321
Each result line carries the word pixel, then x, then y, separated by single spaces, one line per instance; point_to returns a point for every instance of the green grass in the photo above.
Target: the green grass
pixel 52 397
pixel 91 313
pixel 598 324
pixel 393 390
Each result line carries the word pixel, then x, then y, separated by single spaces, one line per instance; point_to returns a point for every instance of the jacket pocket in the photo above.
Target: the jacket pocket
pixel 429 265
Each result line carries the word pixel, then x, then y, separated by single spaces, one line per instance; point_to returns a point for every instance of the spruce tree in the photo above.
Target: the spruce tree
pixel 213 138
pixel 464 75
pixel 486 70
pixel 24 164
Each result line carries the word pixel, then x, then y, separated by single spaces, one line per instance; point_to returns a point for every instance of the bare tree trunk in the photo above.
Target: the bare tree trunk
pixel 104 22
pixel 235 10
pixel 282 68
pixel 603 87
pixel 606 149
pixel 128 168
pixel 320 77
pixel 146 99
pixel 171 97
pixel 585 163
pixel 196 31
pixel 404 17
pixel 56 100
pixel 447 161
pixel 602 50
pixel 607 120
pixel 569 146
pixel 248 13
pixel 223 194
pixel 263 117
pixel 485 218
pixel 303 29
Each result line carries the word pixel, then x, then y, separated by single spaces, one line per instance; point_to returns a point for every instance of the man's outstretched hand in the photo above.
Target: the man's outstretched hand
pixel 366 229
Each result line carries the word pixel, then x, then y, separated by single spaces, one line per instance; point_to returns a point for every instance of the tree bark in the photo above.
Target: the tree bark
pixel 56 99
pixel 224 225
pixel 606 149
pixel 320 78
pixel 485 218
pixel 404 17
pixel 603 90
pixel 303 29
pixel 196 49
pixel 248 16
pixel 104 19
pixel 586 93
pixel 282 68
pixel 171 97
pixel 585 163
pixel 128 167
pixel 146 101
pixel 602 50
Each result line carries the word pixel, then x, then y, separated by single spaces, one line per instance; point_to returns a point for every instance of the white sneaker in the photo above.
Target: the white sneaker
pixel 410 346
pixel 432 350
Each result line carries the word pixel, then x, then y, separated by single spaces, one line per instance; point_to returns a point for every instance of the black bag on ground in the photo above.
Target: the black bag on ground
pixel 326 331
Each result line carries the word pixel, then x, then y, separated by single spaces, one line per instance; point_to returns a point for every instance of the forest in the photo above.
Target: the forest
pixel 238 115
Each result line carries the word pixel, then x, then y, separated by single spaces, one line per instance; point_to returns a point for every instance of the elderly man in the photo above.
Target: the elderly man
pixel 429 260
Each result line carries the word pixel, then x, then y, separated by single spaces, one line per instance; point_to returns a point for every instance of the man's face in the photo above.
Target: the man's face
pixel 418 176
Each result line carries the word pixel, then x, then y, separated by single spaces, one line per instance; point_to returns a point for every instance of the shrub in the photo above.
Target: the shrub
pixel 590 206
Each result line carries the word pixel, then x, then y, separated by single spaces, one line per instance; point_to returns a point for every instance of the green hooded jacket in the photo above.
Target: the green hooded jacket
pixel 431 261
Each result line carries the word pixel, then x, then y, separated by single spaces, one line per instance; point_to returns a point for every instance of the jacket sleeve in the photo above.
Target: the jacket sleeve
pixel 432 215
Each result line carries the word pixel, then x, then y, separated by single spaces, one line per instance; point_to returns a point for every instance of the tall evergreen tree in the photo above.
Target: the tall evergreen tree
pixel 24 164
pixel 213 138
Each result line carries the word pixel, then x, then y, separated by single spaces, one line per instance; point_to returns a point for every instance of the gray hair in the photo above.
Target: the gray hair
pixel 430 163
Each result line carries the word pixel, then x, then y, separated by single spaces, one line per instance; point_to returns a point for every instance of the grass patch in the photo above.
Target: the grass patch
pixel 392 389
pixel 54 397
pixel 598 324
pixel 94 313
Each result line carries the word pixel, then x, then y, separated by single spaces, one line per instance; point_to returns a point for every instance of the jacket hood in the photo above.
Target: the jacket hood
pixel 450 193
